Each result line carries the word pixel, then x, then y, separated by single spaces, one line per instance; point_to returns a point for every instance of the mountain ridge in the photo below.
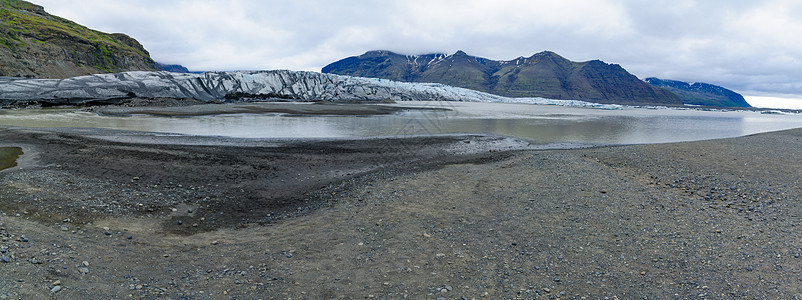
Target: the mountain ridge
pixel 545 74
pixel 36 44
pixel 699 93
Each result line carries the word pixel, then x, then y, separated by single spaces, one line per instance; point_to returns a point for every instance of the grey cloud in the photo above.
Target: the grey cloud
pixel 738 44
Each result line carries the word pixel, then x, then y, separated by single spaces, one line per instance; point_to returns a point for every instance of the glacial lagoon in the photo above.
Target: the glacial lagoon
pixel 538 124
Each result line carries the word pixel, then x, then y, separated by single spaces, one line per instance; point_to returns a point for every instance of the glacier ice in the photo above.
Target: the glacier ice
pixel 212 86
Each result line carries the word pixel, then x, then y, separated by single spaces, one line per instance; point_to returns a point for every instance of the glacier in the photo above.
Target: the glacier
pixel 240 85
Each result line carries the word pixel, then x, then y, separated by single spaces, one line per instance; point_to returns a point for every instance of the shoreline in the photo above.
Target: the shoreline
pixel 422 217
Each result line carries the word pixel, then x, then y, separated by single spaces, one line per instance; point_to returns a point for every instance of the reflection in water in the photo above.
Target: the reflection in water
pixel 536 123
pixel 8 156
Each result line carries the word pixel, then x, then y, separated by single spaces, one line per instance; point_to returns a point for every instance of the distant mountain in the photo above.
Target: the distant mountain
pixel 701 93
pixel 36 44
pixel 172 68
pixel 544 74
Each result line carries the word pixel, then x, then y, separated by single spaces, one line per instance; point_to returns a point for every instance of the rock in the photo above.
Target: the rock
pixel 57 282
pixel 84 270
pixel 85 263
pixel 55 289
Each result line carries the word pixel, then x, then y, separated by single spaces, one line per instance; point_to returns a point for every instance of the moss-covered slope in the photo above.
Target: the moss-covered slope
pixel 36 44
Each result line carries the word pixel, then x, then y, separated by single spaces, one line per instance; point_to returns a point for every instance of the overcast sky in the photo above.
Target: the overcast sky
pixel 752 47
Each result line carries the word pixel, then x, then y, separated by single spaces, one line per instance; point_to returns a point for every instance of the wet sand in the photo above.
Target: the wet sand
pixel 92 213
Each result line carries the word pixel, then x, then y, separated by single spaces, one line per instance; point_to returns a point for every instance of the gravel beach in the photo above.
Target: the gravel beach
pixel 99 213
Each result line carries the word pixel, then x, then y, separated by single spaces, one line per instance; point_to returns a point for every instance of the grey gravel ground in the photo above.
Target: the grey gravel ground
pixel 420 218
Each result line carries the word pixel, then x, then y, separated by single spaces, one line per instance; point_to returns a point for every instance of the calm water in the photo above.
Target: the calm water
pixel 536 123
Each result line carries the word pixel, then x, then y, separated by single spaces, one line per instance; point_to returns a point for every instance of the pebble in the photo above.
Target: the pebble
pixel 215 242
pixel 130 237
pixel 84 270
pixel 55 289
pixel 85 263
pixel 4 259
pixel 180 222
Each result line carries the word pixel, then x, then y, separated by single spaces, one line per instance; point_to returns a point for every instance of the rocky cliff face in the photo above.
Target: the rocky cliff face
pixel 281 84
pixel 701 93
pixel 36 44
pixel 545 74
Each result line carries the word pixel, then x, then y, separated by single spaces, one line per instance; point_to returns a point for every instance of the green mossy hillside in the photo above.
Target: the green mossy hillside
pixel 34 43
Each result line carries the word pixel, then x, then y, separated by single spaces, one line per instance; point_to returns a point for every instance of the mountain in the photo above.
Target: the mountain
pixel 544 74
pixel 36 44
pixel 700 93
pixel 172 68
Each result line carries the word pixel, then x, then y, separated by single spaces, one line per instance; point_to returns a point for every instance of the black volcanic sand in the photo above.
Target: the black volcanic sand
pixel 112 214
